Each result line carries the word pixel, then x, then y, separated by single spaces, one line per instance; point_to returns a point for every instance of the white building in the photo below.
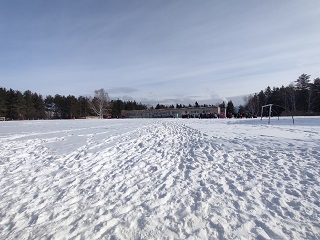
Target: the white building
pixel 189 112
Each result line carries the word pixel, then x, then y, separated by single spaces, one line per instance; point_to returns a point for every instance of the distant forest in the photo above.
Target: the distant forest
pixel 299 98
pixel 15 105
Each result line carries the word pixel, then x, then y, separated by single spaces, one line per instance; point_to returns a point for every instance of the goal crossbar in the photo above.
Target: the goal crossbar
pixel 270 109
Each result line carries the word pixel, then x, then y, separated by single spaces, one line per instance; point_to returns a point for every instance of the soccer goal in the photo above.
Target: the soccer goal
pixel 270 111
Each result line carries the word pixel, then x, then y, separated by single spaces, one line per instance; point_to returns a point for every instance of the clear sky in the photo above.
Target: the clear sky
pixel 157 50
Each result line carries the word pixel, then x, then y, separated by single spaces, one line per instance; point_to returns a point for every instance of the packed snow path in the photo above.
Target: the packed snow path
pixel 160 179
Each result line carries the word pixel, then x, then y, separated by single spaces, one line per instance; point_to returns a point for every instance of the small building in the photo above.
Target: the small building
pixel 189 112
pixel 92 117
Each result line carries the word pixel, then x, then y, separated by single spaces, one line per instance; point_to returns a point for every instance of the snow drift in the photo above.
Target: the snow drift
pixel 160 179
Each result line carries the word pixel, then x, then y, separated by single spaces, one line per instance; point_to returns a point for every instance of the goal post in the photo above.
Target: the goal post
pixel 270 110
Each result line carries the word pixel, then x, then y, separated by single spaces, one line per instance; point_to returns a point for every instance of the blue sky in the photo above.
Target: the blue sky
pixel 177 51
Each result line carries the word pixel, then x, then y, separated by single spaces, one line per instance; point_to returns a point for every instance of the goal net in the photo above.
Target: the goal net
pixel 268 110
pixel 266 107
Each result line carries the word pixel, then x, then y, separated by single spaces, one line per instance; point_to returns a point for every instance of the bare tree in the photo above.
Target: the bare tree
pixel 252 103
pixel 100 103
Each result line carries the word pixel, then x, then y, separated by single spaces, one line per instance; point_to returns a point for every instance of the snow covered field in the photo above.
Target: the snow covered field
pixel 160 179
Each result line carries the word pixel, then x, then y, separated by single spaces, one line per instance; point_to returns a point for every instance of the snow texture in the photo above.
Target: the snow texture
pixel 160 179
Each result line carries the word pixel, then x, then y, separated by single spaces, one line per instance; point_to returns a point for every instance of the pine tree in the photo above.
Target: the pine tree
pixel 302 86
pixel 316 87
pixel 230 109
pixel 3 102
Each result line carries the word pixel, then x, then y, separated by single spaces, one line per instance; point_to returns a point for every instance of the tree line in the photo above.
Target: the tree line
pixel 196 105
pixel 16 105
pixel 299 98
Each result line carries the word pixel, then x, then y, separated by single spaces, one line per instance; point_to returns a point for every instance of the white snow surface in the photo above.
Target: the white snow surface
pixel 160 179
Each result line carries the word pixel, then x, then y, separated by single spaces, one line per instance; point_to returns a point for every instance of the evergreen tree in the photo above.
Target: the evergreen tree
pixel 39 106
pixel 267 94
pixel 316 88
pixel 20 106
pixel 50 107
pixel 3 102
pixel 302 86
pixel 72 107
pixel 230 109
pixel 241 109
pixel 60 107
pixel 30 109
pixel 11 104
pixel 278 101
pixel 303 82
pixel 117 107
pixel 291 98
pixel 222 105
pixel 84 108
